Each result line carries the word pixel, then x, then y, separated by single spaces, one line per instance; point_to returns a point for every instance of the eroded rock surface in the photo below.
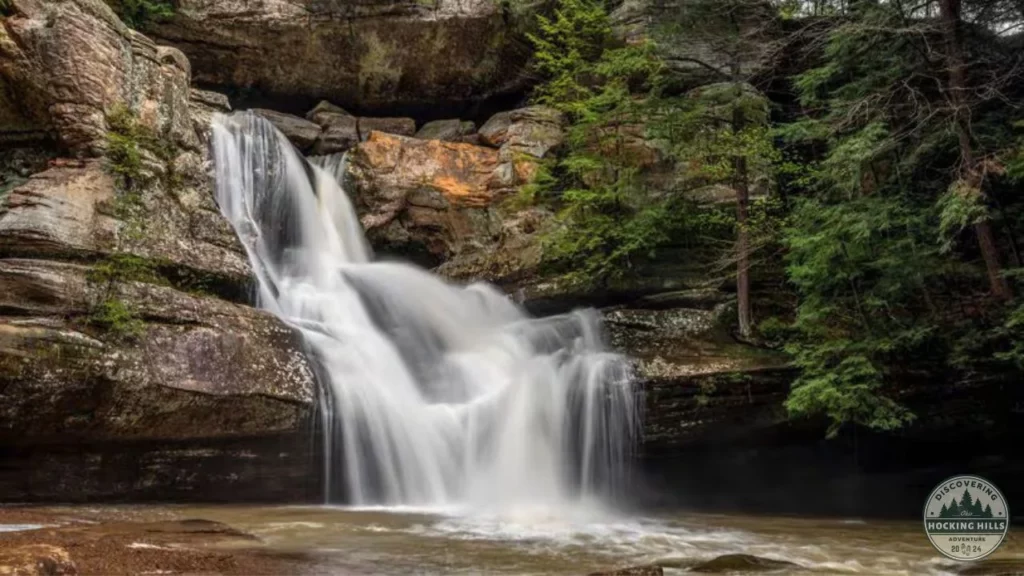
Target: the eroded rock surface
pixel 375 57
pixel 72 541
pixel 65 65
pixel 130 364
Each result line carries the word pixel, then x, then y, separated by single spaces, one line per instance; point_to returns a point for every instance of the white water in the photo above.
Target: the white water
pixel 435 395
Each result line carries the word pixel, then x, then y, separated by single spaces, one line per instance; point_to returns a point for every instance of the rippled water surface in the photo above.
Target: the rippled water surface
pixel 407 541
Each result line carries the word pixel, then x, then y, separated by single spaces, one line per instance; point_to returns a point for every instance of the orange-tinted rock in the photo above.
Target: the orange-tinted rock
pixel 428 198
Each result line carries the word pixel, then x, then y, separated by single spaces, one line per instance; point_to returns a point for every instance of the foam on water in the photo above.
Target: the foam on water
pixel 434 395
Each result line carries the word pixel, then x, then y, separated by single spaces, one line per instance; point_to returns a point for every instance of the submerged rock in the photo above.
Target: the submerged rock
pixel 108 541
pixel 634 571
pixel 742 563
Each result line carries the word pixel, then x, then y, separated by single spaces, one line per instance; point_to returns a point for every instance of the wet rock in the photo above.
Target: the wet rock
pixel 379 56
pixel 397 126
pixel 302 133
pixel 634 571
pixel 203 104
pixel 742 563
pixel 36 560
pixel 105 541
pixel 453 130
pixel 340 132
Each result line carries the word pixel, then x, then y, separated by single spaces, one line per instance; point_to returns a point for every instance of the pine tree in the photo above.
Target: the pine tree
pixel 988 511
pixel 944 512
pixel 607 221
pixel 966 503
pixel 902 132
pixel 954 510
pixel 731 136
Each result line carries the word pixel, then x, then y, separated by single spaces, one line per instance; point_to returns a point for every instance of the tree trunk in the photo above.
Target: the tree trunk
pixel 743 249
pixel 950 11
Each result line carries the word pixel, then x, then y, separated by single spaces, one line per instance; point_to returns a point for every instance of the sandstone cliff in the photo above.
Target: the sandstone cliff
pixel 130 366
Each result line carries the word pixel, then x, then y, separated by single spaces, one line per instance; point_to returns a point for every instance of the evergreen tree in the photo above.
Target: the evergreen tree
pixel 954 510
pixel 893 166
pixel 966 503
pixel 607 220
pixel 725 127
pixel 976 510
pixel 944 512
pixel 988 511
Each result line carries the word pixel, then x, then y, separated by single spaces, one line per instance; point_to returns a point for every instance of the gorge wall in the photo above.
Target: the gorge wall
pixel 132 363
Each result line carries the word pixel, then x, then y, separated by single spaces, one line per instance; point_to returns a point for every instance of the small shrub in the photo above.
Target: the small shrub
pixel 118 319
pixel 125 268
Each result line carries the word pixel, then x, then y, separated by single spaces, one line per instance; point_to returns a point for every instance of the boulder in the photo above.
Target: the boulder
pixel 453 130
pixel 323 111
pixel 379 56
pixel 428 199
pixel 340 132
pixel 302 133
pixel 65 65
pixel 742 563
pixel 399 126
pixel 532 131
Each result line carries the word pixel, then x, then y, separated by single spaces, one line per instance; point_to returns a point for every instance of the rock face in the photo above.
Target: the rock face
pixel 129 365
pixel 436 201
pixel 66 64
pixel 733 43
pixel 372 56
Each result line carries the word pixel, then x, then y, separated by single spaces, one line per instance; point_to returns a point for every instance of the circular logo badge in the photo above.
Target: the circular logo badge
pixel 966 517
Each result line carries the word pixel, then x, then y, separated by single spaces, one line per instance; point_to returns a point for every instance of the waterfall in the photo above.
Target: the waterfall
pixel 435 394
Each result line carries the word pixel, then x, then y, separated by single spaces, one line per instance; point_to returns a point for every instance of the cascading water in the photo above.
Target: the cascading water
pixel 435 394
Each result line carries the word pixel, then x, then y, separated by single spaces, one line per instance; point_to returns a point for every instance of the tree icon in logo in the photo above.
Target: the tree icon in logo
pixel 967 508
